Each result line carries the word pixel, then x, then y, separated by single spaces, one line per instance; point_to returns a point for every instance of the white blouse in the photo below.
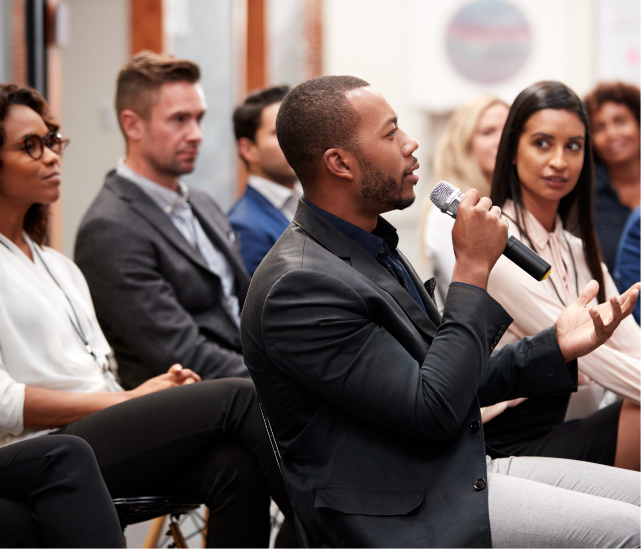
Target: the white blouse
pixel 438 247
pixel 39 345
pixel 616 365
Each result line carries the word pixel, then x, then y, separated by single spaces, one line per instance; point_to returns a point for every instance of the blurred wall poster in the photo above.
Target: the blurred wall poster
pixel 618 31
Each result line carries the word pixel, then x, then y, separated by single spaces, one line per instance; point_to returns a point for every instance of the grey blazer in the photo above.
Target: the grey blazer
pixel 156 300
pixel 375 404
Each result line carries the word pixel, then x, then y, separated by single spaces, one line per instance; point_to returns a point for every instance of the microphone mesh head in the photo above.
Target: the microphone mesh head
pixel 442 193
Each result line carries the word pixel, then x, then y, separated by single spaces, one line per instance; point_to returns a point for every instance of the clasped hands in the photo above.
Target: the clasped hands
pixel 175 376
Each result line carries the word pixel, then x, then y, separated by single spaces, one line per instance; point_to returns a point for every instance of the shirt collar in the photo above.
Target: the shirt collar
pixel 165 198
pixel 277 194
pixel 383 240
pixel 538 234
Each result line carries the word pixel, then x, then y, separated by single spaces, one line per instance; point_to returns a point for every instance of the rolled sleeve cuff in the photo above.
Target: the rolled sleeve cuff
pixel 11 408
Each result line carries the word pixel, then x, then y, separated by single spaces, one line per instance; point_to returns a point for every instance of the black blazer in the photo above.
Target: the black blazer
pixel 156 300
pixel 374 404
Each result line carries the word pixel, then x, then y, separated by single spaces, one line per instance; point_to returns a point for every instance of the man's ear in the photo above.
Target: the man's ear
pixel 339 163
pixel 132 125
pixel 248 150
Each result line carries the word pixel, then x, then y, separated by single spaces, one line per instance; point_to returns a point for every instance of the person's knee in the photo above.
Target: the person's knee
pixel 235 473
pixel 67 447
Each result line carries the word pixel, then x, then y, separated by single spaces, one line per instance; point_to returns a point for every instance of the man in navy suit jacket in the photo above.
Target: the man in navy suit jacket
pixel 266 209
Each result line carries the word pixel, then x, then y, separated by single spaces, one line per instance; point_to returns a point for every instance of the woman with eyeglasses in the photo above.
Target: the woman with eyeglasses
pixel 173 435
pixel 543 184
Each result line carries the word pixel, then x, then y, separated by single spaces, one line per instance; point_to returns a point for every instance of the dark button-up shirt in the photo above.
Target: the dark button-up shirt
pixel 381 244
pixel 609 216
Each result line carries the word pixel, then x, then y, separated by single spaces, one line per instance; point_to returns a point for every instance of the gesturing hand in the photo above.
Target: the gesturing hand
pixel 175 376
pixel 580 330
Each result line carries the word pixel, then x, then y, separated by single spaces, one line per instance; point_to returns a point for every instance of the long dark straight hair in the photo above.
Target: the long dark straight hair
pixel 575 209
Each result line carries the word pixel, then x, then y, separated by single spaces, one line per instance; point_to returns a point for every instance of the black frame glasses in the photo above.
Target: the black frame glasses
pixel 34 144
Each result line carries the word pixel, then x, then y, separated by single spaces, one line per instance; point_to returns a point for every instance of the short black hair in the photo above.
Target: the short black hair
pixel 247 117
pixel 316 116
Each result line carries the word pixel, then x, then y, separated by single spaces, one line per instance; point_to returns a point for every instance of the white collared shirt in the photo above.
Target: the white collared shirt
pixel 39 344
pixel 282 198
pixel 177 207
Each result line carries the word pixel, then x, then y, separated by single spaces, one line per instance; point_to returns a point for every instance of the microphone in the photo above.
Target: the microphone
pixel 446 197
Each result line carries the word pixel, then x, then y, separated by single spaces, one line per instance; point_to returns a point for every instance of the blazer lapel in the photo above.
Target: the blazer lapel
pixel 345 248
pixel 144 206
pixel 266 206
pixel 372 269
pixel 430 306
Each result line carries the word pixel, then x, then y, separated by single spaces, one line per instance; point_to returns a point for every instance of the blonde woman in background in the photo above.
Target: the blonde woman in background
pixel 465 157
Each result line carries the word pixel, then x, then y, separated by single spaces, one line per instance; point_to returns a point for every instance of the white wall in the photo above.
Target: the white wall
pixel 398 46
pixel 98 47
pixel 371 39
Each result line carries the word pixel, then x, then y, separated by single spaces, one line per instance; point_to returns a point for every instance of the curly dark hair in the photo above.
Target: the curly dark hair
pixel 575 209
pixel 616 92
pixel 36 221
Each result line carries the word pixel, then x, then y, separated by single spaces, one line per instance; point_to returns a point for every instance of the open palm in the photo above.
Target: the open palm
pixel 582 329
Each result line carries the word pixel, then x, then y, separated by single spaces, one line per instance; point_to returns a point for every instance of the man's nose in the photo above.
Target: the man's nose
pixel 195 132
pixel 409 146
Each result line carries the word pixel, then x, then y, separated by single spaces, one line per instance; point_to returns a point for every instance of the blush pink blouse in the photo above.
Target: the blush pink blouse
pixel 616 365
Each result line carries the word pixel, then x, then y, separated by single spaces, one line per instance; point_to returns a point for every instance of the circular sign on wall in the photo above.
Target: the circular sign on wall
pixel 488 41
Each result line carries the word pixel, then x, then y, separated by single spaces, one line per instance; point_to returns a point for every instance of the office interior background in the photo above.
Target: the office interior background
pixel 426 56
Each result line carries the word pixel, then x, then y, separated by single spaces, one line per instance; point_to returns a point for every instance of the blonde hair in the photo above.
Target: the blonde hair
pixel 453 160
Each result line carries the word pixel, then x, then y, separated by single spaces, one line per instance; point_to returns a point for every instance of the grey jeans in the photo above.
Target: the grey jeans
pixel 548 502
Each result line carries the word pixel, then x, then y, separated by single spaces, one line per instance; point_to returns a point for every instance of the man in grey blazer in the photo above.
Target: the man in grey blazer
pixel 372 395
pixel 161 260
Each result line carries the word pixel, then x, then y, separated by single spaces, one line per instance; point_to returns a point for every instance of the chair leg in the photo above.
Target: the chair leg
pixel 204 532
pixel 174 528
pixel 155 531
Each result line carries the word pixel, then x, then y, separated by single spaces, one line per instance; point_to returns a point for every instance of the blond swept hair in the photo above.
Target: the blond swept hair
pixel 140 79
pixel 453 160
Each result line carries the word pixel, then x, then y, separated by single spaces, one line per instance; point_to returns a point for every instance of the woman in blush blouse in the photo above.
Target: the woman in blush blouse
pixel 543 183
pixel 465 157
pixel 172 435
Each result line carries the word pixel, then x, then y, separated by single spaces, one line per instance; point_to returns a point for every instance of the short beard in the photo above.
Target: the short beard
pixel 381 190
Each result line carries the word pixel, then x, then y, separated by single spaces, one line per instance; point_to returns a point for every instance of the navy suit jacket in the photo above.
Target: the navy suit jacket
pixel 374 402
pixel 259 224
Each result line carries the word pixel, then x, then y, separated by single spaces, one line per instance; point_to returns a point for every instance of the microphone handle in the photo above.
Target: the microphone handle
pixel 531 262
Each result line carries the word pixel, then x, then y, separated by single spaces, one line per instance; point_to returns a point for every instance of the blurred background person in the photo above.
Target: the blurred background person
pixel 269 203
pixel 465 157
pixel 543 183
pixel 627 269
pixel 614 117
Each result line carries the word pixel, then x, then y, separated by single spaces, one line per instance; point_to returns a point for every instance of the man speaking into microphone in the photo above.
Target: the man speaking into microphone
pixel 373 397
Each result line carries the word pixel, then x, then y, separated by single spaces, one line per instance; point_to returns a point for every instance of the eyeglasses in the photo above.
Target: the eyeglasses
pixel 34 144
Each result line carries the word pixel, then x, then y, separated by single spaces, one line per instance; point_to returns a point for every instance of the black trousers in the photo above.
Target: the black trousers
pixel 52 495
pixel 204 441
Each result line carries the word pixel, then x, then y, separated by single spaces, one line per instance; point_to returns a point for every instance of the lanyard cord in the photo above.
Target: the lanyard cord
pixel 76 325
pixel 576 274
